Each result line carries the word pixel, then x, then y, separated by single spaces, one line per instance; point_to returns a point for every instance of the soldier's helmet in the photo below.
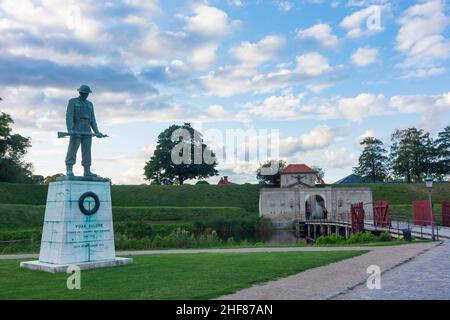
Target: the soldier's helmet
pixel 84 89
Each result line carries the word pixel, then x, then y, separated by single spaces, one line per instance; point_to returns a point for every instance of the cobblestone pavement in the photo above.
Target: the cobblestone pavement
pixel 329 281
pixel 234 250
pixel 427 276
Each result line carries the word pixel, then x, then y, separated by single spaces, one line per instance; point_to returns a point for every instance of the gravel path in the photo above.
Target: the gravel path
pixel 329 281
pixel 427 276
pixel 235 250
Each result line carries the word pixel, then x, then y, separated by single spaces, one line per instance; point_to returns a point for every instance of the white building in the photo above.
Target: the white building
pixel 299 198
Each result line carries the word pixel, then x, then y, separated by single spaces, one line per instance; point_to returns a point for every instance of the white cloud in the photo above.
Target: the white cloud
pixel 210 21
pixel 321 32
pixel 365 3
pixel 340 158
pixel 288 107
pixel 237 3
pixel 51 18
pixel 362 106
pixel 421 38
pixel 202 58
pixel 253 54
pixel 421 103
pixel 424 73
pixel 150 6
pixel 231 80
pixel 133 166
pixel 432 107
pixel 363 22
pixel 285 107
pixel 365 56
pixel 317 138
pixel 285 5
pixel 312 64
pixel 319 87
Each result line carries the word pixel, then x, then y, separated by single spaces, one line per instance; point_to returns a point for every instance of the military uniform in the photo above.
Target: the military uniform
pixel 80 118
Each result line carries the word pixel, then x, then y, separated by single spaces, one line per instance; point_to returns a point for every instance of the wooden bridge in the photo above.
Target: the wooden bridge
pixel 316 227
pixel 423 225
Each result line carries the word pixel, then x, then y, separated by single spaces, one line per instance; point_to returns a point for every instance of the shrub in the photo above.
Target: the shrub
pixel 384 236
pixel 181 238
pixel 331 239
pixel 361 237
pixel 202 182
pixel 134 229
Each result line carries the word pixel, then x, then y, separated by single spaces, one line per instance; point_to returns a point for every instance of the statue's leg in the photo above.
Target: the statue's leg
pixel 86 161
pixel 72 150
pixel 71 156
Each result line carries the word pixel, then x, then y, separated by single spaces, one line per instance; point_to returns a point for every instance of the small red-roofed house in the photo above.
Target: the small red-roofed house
pixel 224 180
pixel 298 175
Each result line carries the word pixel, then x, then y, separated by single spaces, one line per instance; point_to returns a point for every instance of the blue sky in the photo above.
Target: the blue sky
pixel 322 73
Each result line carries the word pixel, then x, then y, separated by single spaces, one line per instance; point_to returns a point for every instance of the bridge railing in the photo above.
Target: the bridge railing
pixel 422 229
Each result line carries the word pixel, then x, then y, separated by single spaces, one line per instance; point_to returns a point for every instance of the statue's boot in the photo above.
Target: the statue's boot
pixel 88 173
pixel 69 171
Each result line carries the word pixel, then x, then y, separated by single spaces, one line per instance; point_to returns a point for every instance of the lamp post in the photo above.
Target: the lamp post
pixel 429 184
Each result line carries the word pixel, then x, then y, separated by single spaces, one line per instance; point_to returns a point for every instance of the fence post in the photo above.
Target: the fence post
pixel 398 228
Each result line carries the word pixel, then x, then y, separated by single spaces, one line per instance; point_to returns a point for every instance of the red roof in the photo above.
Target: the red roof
pixel 298 168
pixel 224 180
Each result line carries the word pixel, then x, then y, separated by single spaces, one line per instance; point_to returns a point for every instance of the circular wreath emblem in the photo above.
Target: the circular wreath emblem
pixel 89 203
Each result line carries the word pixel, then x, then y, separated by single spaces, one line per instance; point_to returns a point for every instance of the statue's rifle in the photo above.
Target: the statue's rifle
pixel 80 135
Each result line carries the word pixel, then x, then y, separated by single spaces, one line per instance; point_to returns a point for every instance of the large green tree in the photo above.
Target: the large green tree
pixel 270 179
pixel 411 154
pixel 373 162
pixel 13 148
pixel 441 167
pixel 180 155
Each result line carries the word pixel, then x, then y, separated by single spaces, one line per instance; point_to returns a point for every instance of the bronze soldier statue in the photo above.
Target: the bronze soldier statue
pixel 80 120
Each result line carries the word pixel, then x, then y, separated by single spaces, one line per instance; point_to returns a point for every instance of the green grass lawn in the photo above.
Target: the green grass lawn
pixel 404 193
pixel 171 276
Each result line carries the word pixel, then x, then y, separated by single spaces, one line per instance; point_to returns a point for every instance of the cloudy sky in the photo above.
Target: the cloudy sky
pixel 323 73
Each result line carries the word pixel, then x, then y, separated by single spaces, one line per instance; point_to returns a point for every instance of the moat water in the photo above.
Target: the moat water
pixel 283 237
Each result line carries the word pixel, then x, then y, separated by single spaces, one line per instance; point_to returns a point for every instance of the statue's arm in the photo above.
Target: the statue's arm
pixel 93 121
pixel 69 116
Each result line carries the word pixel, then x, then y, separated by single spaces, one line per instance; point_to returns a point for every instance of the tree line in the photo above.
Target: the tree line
pixel 13 148
pixel 413 153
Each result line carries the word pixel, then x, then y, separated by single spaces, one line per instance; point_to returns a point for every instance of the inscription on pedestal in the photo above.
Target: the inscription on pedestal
pixel 78 223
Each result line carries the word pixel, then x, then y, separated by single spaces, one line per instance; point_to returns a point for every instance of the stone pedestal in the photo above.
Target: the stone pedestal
pixel 78 228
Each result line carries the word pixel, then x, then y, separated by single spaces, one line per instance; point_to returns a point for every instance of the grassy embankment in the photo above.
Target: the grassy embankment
pixel 152 214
